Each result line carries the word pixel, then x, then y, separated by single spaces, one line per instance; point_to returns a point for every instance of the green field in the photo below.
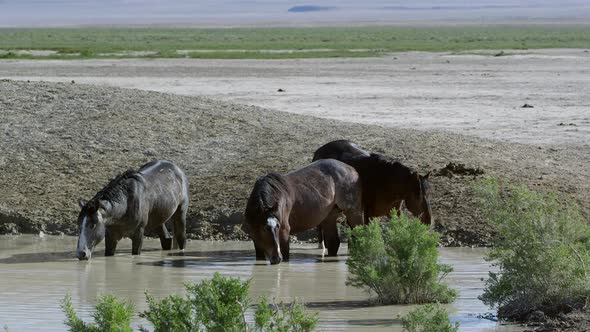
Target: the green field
pixel 260 42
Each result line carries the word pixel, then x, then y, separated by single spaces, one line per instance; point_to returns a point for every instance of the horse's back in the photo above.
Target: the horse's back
pixel 165 191
pixel 163 175
pixel 155 166
pixel 339 150
pixel 324 168
pixel 158 168
pixel 330 177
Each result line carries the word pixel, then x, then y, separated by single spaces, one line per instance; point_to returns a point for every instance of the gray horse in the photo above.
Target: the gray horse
pixel 132 203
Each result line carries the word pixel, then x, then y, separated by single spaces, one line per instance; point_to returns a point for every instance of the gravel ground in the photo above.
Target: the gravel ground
pixel 62 141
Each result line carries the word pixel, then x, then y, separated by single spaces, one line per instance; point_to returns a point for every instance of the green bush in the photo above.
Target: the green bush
pixel 398 261
pixel 110 315
pixel 542 251
pixel 428 318
pixel 283 318
pixel 220 304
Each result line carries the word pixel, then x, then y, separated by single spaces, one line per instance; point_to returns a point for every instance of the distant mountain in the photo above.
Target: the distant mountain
pixel 309 8
pixel 20 13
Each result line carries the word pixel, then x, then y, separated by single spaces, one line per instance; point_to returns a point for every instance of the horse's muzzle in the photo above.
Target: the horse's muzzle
pixel 275 260
pixel 83 255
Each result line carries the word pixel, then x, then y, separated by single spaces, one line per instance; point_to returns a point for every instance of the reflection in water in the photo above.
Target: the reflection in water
pixel 36 273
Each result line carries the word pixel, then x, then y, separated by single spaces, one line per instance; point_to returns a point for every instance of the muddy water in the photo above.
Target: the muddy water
pixel 36 272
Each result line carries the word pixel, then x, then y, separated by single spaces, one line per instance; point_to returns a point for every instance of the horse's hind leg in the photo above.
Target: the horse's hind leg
pixel 330 232
pixel 353 218
pixel 320 237
pixel 179 222
pixel 165 238
pixel 137 241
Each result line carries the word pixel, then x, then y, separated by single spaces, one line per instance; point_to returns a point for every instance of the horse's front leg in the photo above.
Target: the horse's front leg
pixel 284 244
pixel 110 243
pixel 137 240
pixel 260 255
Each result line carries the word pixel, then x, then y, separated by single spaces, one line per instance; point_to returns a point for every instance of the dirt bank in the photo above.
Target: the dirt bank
pixel 62 141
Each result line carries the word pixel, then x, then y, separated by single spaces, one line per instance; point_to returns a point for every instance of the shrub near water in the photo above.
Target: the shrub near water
pixel 398 261
pixel 542 250
pixel 218 304
pixel 429 318
pixel 110 315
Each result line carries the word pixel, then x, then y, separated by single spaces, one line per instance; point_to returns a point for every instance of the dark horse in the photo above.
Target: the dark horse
pixel 386 184
pixel 280 205
pixel 134 202
pixel 340 150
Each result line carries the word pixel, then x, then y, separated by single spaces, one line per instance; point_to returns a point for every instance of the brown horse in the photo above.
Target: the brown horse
pixel 386 184
pixel 280 205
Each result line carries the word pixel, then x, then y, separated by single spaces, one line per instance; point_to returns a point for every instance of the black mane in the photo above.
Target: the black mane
pixel 378 164
pixel 117 187
pixel 266 194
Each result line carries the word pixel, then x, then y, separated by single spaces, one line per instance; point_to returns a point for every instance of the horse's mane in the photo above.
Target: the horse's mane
pixel 337 150
pixel 117 188
pixel 379 166
pixel 425 185
pixel 379 173
pixel 267 191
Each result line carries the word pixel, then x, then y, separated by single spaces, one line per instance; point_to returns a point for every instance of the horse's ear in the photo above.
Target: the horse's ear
pixel 427 176
pixel 81 202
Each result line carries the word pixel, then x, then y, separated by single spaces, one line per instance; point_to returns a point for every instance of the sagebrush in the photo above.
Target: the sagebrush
pixel 398 261
pixel 429 318
pixel 111 314
pixel 218 304
pixel 542 251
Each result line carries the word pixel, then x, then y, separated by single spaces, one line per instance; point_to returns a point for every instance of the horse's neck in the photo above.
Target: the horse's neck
pixel 291 196
pixel 116 210
pixel 398 186
pixel 407 184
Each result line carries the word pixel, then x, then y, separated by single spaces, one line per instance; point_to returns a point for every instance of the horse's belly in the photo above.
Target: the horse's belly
pixel 158 216
pixel 308 219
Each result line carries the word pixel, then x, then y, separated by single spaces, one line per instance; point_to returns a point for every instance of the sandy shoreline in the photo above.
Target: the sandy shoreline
pixel 473 94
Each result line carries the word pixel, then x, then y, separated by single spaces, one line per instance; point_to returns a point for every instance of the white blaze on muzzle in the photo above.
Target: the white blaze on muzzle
pixel 82 241
pixel 273 223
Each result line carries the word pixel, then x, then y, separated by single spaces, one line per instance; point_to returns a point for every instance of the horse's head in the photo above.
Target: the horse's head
pixel 265 215
pixel 418 200
pixel 91 225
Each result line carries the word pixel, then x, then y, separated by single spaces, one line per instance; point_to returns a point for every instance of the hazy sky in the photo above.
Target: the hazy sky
pixel 275 12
